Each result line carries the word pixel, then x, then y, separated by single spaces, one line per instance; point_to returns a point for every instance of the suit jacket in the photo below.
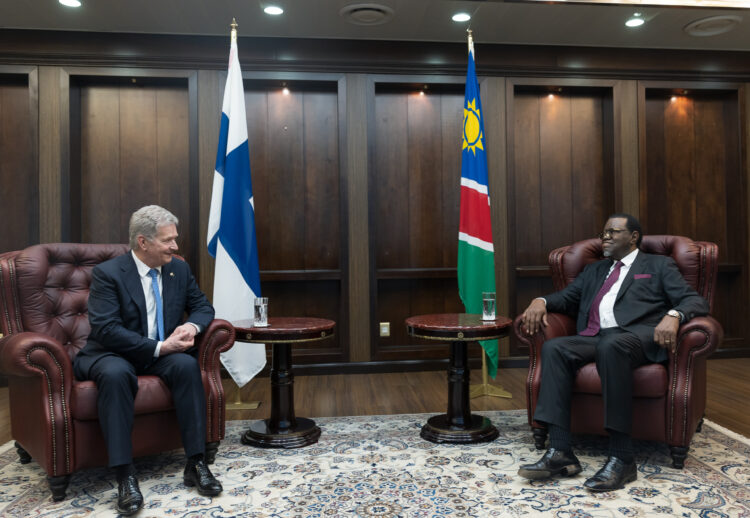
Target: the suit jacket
pixel 117 310
pixel 652 286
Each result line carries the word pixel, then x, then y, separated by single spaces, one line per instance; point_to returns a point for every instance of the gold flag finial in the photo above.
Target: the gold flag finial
pixel 470 41
pixel 234 26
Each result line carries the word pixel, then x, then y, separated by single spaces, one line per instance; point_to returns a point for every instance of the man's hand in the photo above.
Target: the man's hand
pixel 534 317
pixel 665 333
pixel 179 341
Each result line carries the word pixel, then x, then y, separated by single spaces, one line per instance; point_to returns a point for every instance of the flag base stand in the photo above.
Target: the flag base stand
pixel 238 404
pixel 484 388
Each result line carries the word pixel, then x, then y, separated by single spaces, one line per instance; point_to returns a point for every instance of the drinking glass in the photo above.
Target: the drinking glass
pixel 261 312
pixel 488 305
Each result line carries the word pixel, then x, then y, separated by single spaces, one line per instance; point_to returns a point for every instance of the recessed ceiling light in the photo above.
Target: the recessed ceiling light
pixel 70 3
pixel 635 21
pixel 273 10
pixel 461 17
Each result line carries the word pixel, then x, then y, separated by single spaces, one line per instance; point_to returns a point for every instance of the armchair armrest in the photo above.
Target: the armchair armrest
pixel 215 339
pixel 34 354
pixel 40 378
pixel 696 340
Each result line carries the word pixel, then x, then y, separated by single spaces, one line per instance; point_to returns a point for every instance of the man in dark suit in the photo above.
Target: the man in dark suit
pixel 629 307
pixel 136 307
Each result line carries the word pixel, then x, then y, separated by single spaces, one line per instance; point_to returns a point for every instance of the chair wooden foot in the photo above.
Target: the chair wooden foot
pixel 540 437
pixel 23 455
pixel 58 486
pixel 211 449
pixel 679 454
pixel 700 426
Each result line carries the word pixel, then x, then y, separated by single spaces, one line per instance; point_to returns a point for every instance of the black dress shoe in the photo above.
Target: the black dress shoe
pixel 129 497
pixel 614 475
pixel 198 474
pixel 553 462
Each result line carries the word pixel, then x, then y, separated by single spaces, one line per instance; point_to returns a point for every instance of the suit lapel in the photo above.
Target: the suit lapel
pixel 133 284
pixel 637 267
pixel 168 294
pixel 600 276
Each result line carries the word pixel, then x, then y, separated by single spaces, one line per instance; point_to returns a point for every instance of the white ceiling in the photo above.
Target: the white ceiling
pixel 421 20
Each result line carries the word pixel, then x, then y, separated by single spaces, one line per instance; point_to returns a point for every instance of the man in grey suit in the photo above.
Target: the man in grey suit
pixel 136 307
pixel 629 307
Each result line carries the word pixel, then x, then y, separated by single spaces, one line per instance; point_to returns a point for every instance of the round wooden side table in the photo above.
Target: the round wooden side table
pixel 458 425
pixel 283 429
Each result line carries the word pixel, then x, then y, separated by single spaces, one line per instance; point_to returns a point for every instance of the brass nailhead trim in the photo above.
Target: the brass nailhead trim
pixel 52 409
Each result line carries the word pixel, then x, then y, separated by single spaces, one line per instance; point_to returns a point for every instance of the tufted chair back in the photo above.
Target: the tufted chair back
pixel 52 286
pixel 668 399
pixel 44 293
pixel 697 260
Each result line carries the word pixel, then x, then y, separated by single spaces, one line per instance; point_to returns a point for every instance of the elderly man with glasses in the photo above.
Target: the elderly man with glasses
pixel 629 307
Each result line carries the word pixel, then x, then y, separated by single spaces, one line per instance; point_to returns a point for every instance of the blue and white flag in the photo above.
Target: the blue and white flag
pixel 231 227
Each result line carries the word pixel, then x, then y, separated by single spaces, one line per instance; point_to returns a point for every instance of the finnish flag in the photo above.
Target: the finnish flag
pixel 231 227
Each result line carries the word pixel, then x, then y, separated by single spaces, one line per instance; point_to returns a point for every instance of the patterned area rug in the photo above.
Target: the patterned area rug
pixel 379 466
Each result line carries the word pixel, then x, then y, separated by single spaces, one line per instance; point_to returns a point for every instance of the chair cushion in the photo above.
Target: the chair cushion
pixel 648 380
pixel 153 396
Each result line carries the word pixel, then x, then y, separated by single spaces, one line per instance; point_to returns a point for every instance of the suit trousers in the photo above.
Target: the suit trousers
pixel 117 384
pixel 616 353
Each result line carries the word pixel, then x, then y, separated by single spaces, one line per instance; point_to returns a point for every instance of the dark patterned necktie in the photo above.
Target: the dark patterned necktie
pixel 593 326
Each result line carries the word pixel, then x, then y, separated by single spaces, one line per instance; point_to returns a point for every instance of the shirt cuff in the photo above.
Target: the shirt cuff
pixel 198 328
pixel 157 350
pixel 542 299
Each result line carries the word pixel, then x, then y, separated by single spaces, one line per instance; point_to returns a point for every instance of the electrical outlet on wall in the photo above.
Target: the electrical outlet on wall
pixel 385 329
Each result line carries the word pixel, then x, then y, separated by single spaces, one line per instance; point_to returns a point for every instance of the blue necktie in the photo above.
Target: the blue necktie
pixel 157 297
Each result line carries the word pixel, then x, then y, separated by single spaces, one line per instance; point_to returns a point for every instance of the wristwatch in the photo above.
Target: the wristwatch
pixel 674 313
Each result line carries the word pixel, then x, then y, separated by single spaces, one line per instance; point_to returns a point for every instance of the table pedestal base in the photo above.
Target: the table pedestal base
pixel 304 433
pixel 438 429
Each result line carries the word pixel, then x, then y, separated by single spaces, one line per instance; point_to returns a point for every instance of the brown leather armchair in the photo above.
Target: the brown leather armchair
pixel 669 399
pixel 44 321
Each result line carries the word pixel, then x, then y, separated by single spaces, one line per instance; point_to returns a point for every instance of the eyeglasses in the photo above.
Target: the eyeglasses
pixel 610 232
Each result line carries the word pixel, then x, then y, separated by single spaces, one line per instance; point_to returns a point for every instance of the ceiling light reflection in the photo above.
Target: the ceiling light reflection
pixel 273 10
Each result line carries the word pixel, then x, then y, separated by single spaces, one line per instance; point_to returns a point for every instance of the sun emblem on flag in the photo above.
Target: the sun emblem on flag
pixel 472 130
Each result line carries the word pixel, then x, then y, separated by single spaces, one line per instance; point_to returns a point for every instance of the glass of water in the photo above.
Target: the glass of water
pixel 261 312
pixel 488 305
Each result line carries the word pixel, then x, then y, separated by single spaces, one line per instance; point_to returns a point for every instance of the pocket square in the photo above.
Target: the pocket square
pixel 642 276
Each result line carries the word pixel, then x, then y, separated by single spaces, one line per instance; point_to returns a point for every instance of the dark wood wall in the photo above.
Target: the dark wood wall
pixel 356 171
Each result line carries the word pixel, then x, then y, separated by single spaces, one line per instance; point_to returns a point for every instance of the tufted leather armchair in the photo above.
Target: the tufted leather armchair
pixel 669 399
pixel 44 322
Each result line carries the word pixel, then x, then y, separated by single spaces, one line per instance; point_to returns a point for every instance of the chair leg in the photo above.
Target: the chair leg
pixel 679 454
pixel 700 426
pixel 23 455
pixel 540 437
pixel 211 449
pixel 58 485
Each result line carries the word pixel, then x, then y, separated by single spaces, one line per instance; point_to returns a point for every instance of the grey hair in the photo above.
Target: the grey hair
pixel 146 222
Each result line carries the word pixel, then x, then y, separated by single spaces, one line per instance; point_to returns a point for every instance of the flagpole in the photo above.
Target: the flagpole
pixel 238 404
pixel 484 388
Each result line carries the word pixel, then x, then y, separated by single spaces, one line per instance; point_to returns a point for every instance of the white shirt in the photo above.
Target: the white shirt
pixel 153 328
pixel 607 305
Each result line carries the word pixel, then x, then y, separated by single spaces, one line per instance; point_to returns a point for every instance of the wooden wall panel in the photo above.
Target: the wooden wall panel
pixel 294 158
pixel 415 173
pixel 18 175
pixel 692 170
pixel 562 177
pixel 134 152
pixel 390 182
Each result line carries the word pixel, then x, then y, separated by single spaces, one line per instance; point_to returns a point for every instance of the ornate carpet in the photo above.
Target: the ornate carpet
pixel 379 466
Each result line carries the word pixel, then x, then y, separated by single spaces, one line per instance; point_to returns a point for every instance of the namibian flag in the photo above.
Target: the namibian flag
pixel 476 254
